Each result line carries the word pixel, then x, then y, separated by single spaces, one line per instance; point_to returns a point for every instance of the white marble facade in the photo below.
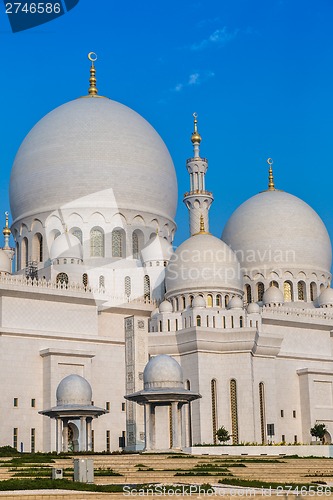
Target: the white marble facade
pixel 95 289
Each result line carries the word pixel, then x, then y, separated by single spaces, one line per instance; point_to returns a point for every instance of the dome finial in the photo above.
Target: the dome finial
pixel 92 80
pixel 6 231
pixel 202 224
pixel 196 137
pixel 271 186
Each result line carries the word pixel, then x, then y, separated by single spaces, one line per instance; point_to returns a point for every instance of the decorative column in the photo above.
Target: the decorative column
pixel 83 433
pixel 65 435
pixel 197 200
pixel 149 426
pixel 89 434
pixel 176 426
pixel 58 434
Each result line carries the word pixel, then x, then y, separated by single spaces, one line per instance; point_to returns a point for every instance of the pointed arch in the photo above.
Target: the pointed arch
pixel 260 291
pixel 146 287
pixel 288 291
pixel 24 253
pixel 76 231
pixel 137 243
pixel 37 247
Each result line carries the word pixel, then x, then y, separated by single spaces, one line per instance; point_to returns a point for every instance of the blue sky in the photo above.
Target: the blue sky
pixel 258 73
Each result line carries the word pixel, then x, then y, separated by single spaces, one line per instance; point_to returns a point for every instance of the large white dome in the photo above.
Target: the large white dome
pixel 162 371
pixel 92 145
pixel 203 263
pixel 276 230
pixel 74 390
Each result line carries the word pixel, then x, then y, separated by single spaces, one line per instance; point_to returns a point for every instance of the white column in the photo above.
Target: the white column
pixel 58 434
pixel 83 436
pixel 149 426
pixel 176 426
pixel 65 436
pixel 89 435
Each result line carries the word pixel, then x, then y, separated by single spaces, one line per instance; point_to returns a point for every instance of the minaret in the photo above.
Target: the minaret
pixel 197 200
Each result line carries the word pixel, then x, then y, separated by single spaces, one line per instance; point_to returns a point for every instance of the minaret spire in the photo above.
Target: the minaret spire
pixel 6 233
pixel 92 80
pixel 271 186
pixel 197 200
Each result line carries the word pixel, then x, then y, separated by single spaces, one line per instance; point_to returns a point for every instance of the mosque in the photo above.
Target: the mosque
pixel 112 339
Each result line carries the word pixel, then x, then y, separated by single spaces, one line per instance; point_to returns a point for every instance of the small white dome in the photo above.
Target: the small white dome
pixel 236 303
pixel 66 246
pixel 5 263
pixel 165 307
pixel 273 296
pixel 198 301
pixel 162 371
pixel 325 299
pixel 157 249
pixel 253 308
pixel 74 390
pixel 203 263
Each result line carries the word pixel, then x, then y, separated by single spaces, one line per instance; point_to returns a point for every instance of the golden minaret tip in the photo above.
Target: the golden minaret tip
pixel 202 224
pixel 92 80
pixel 271 186
pixel 6 230
pixel 196 137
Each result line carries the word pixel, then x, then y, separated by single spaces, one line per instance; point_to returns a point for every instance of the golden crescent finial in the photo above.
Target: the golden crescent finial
pixel 196 137
pixel 92 91
pixel 92 56
pixel 271 186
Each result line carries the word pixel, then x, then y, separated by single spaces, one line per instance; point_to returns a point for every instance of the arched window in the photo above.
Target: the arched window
pixel 37 247
pixel 176 304
pixel 313 291
pixel 97 242
pixel 191 299
pixel 146 287
pixel 137 243
pixel 248 294
pixel 218 300
pixel 234 411
pixel 301 290
pixel 184 302
pixel 260 291
pixel 214 409
pixel 160 324
pixel 274 283
pixel 118 243
pixel 198 320
pixel 128 286
pixel 262 411
pixel 85 279
pixel 241 322
pixel 101 282
pixel 77 232
pixel 209 300
pixel 62 279
pixel 226 300
pixel 288 291
pixel 24 253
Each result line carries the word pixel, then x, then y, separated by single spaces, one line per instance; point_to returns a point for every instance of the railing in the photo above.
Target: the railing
pixel 321 313
pixel 198 191
pixel 189 160
pixel 42 284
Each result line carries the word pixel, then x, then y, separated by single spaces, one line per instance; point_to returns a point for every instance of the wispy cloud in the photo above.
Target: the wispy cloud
pixel 219 37
pixel 194 79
